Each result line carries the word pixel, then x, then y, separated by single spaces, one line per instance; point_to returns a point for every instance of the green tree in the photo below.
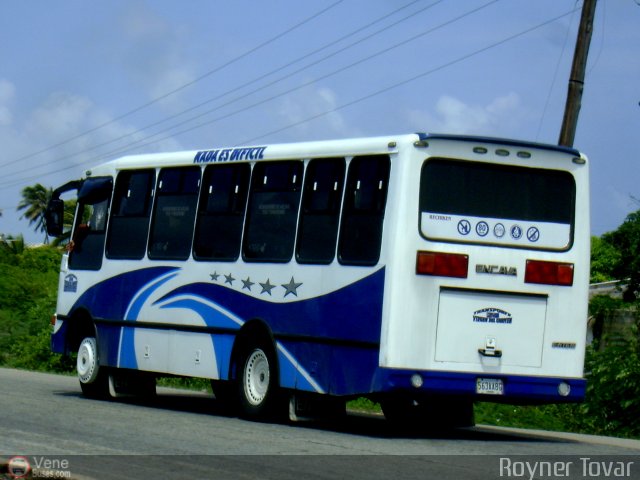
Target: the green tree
pixel 612 405
pixel 626 240
pixel 12 245
pixel 604 258
pixel 28 287
pixel 34 202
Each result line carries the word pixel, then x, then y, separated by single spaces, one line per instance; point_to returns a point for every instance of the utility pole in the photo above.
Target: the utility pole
pixel 576 80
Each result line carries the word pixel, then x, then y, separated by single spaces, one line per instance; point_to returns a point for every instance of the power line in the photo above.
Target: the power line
pixel 553 80
pixel 278 69
pixel 180 88
pixel 409 80
pixel 368 96
pixel 18 181
pixel 317 50
pixel 138 143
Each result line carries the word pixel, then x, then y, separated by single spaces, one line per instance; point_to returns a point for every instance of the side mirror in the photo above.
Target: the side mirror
pixel 54 217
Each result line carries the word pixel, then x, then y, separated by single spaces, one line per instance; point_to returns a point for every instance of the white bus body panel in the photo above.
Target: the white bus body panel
pixel 429 324
pixel 428 321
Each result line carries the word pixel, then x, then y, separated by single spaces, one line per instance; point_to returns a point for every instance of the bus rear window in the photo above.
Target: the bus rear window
pixel 496 204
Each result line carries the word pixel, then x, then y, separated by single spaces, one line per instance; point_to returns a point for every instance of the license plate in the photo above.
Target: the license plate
pixel 489 386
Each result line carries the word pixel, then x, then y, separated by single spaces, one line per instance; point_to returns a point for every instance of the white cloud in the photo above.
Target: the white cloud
pixel 504 106
pixel 7 91
pixel 305 111
pixel 499 117
pixel 69 132
pixel 61 115
pixel 59 122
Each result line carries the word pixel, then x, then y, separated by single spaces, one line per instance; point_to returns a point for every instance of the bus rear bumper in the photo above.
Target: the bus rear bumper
pixel 510 388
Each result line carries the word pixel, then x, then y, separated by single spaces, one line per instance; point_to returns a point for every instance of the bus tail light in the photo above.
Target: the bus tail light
pixel 549 273
pixel 442 264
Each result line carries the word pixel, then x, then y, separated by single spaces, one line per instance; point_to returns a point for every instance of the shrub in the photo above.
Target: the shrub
pixel 612 405
pixel 612 402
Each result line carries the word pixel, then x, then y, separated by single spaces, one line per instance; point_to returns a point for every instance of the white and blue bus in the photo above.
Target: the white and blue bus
pixel 426 272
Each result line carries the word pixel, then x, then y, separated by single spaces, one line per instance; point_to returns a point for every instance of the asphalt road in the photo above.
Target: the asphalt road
pixel 186 435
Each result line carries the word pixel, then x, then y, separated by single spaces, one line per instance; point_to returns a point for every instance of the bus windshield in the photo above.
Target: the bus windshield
pixel 496 204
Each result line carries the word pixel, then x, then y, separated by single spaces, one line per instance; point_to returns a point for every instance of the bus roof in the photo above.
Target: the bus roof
pixel 321 148
pixel 499 141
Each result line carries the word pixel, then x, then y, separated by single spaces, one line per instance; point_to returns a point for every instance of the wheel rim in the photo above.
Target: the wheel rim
pixel 87 364
pixel 256 377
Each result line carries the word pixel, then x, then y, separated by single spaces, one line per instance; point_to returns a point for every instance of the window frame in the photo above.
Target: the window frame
pixel 507 169
pixel 144 215
pixel 93 191
pixel 307 237
pixel 351 214
pixel 254 224
pixel 178 239
pixel 234 213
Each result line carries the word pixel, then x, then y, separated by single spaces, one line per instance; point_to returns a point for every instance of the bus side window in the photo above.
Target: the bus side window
pixel 223 199
pixel 174 213
pixel 363 210
pixel 131 207
pixel 319 219
pixel 86 248
pixel 272 211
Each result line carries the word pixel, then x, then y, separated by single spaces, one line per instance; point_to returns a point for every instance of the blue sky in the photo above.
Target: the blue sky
pixel 82 82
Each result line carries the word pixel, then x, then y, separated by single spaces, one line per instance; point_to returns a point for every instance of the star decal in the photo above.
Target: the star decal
pixel 229 279
pixel 267 287
pixel 247 284
pixel 214 276
pixel 291 287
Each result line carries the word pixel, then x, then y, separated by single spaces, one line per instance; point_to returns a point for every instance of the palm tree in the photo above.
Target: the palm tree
pixel 12 245
pixel 34 202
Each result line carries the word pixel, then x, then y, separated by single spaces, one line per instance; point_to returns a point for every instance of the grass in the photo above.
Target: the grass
pixel 364 405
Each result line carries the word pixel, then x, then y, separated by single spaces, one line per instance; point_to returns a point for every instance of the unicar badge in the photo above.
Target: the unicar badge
pixel 71 283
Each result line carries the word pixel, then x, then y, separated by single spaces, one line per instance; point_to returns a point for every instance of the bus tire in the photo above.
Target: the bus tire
pixel 257 381
pixel 94 379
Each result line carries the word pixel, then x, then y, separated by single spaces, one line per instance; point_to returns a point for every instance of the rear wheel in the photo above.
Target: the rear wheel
pixel 257 381
pixel 94 379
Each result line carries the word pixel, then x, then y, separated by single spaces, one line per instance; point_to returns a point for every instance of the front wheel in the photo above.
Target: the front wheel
pixel 257 382
pixel 94 380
